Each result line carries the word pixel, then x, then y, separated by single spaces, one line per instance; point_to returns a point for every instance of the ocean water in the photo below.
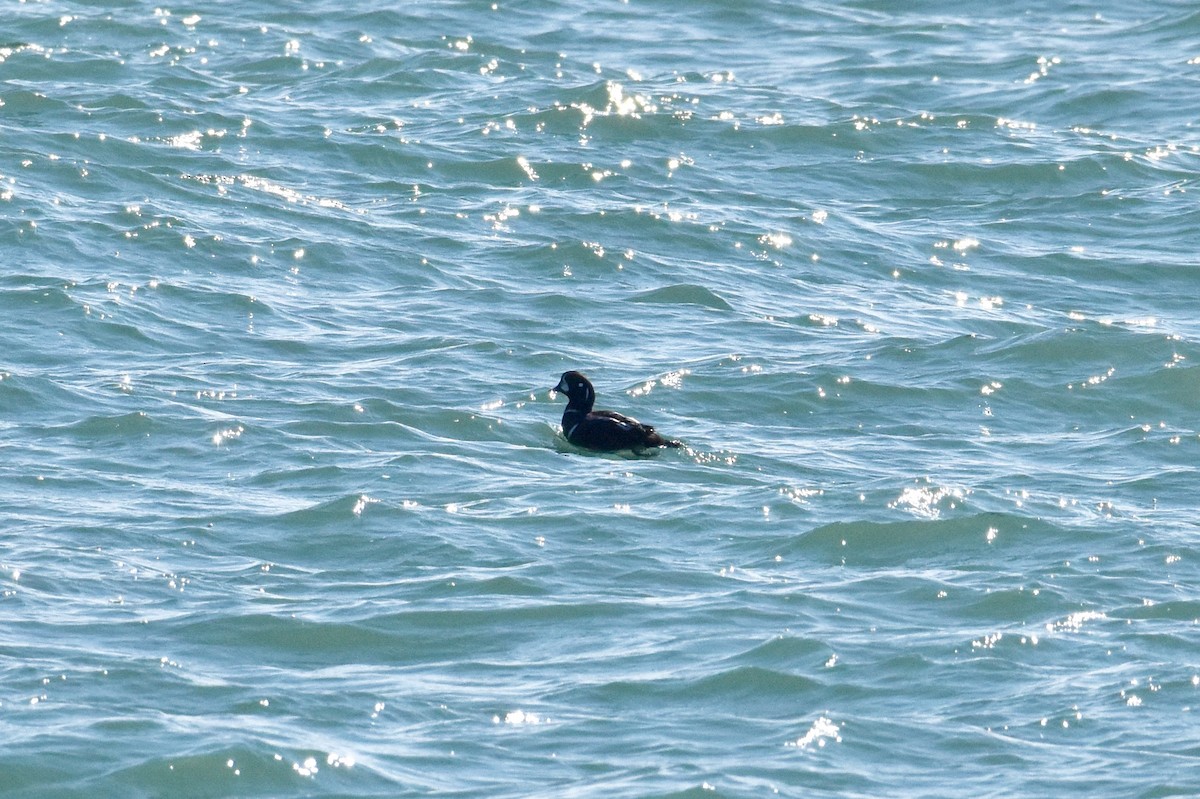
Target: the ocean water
pixel 284 505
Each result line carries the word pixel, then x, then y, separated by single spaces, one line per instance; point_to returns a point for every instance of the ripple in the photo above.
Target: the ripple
pixel 287 291
pixel 684 295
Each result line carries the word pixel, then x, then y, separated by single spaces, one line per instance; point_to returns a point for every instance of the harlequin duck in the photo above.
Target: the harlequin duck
pixel 602 430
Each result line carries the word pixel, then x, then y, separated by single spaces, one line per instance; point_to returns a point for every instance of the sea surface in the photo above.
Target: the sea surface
pixel 285 507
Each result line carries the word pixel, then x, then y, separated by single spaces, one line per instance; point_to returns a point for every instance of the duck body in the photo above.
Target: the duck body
pixel 606 431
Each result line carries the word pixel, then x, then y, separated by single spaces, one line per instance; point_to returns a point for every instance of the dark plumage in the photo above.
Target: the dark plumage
pixel 602 430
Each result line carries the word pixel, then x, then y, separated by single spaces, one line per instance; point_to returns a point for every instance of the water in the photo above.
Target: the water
pixel 285 510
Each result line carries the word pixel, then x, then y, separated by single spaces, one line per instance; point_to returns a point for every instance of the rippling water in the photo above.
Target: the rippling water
pixel 286 510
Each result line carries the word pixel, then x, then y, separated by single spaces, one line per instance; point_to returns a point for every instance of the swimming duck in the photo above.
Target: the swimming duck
pixel 602 430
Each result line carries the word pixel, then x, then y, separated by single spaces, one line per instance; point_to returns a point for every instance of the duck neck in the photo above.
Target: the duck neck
pixel 571 419
pixel 577 409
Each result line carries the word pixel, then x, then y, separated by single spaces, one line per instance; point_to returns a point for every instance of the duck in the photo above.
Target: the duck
pixel 604 431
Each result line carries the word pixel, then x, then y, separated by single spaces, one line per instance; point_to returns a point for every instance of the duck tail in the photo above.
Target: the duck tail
pixel 656 439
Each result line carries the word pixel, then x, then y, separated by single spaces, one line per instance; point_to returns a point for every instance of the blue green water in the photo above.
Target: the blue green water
pixel 284 505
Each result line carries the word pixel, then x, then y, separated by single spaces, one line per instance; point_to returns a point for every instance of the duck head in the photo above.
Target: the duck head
pixel 578 389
